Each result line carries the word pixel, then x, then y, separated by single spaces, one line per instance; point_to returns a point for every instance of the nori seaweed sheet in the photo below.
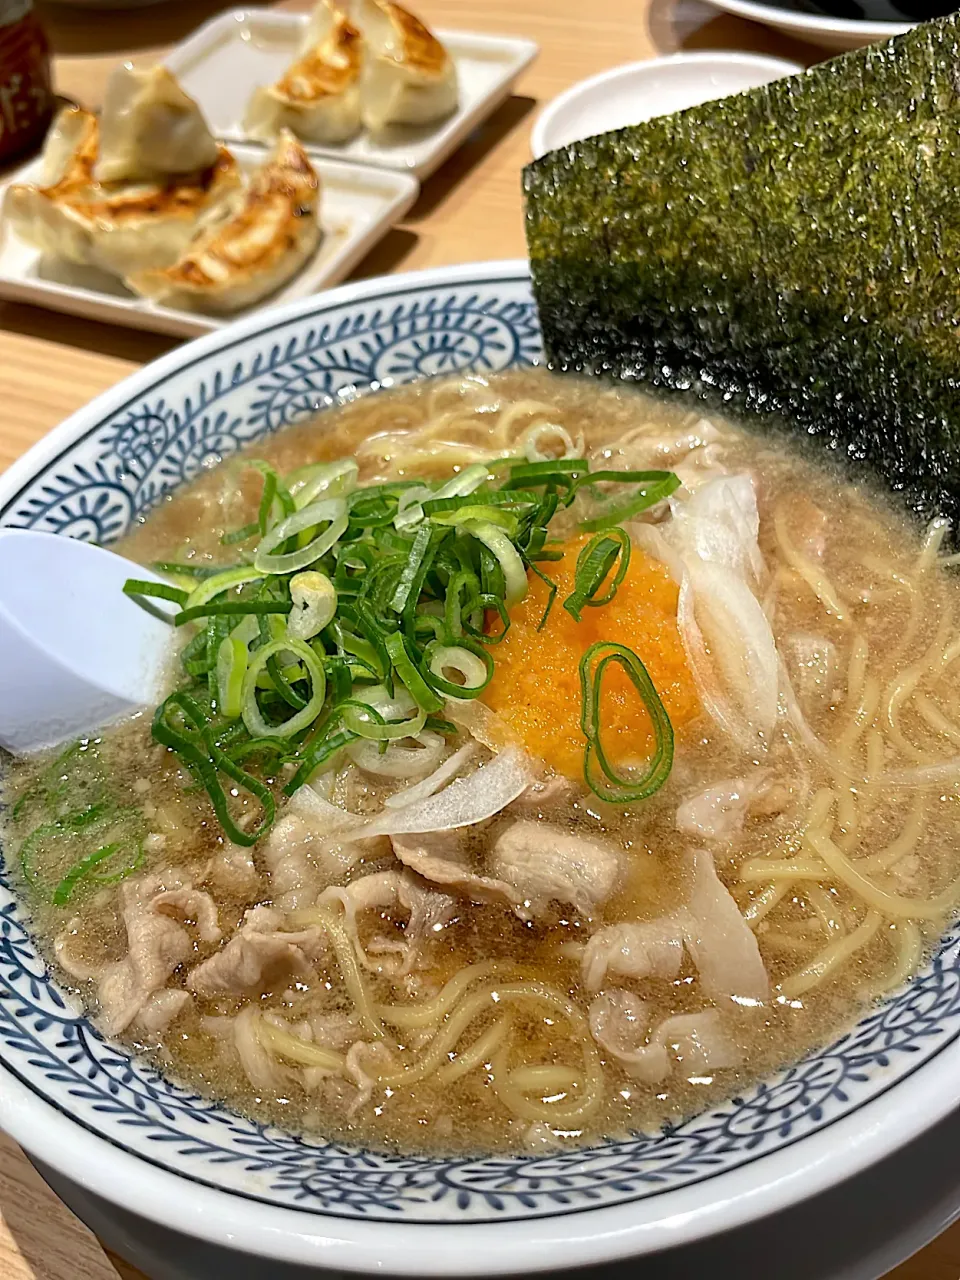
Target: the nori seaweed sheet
pixel 792 252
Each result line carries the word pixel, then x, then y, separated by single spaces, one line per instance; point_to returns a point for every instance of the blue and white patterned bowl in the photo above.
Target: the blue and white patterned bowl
pixel 115 1126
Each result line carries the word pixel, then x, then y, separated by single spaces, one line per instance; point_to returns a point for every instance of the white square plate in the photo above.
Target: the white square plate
pixel 221 64
pixel 358 206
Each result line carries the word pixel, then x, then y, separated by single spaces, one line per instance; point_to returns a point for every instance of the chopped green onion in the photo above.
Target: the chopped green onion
pixel 331 512
pixel 612 786
pixel 465 580
pixel 68 824
pixel 496 541
pixel 174 569
pixel 274 496
pixel 197 747
pixel 331 479
pixel 594 563
pixel 257 726
pixel 158 590
pixel 438 725
pixel 232 659
pixel 552 590
pixel 655 486
pixel 410 573
pixel 314 604
pixel 470 661
pixel 319 754
pixel 88 867
pixel 366 721
pixel 487 514
pixel 562 470
pixel 416 686
pixel 227 580
pixel 230 607
pixel 240 535
pixel 351 588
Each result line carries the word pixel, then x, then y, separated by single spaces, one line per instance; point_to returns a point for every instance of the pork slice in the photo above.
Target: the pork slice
pixel 545 864
pixel 545 791
pixel 302 857
pixel 427 911
pixel 619 1022
pixel 709 926
pixel 74 965
pixel 259 952
pixel 363 1064
pixel 641 949
pixel 191 905
pixel 160 1009
pixel 439 859
pixel 232 870
pixel 719 811
pixel 157 943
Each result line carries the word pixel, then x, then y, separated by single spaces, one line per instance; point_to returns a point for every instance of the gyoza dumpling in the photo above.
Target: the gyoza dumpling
pixel 318 97
pixel 256 250
pixel 150 128
pixel 118 227
pixel 408 76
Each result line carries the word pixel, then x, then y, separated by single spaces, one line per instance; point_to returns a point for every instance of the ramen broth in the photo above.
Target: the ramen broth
pixel 834 835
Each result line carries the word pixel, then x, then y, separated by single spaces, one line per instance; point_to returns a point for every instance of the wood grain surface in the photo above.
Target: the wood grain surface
pixel 470 210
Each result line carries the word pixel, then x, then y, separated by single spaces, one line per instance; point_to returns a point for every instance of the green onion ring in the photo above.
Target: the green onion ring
pixel 257 727
pixel 329 511
pixel 614 787
pixel 470 659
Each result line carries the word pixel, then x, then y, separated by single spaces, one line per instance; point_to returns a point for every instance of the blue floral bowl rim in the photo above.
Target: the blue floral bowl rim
pixel 909 1104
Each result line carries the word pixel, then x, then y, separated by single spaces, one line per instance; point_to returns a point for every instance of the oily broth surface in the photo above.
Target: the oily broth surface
pixel 869 551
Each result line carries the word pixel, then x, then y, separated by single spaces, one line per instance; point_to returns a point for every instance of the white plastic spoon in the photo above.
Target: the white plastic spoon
pixel 75 652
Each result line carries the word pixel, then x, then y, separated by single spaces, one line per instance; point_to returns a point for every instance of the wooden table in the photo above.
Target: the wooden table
pixel 50 365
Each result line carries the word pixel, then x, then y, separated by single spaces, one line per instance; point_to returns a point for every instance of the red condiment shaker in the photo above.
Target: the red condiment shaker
pixel 26 99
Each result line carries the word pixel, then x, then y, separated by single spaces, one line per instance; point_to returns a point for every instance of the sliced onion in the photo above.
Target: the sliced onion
pixel 723 947
pixel 464 802
pixel 743 700
pixel 399 761
pixel 432 784
pixel 489 729
pixel 323 817
pixel 714 534
pixel 366 726
pixel 720 524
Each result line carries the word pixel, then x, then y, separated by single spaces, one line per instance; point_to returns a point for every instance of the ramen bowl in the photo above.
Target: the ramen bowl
pixel 94 1114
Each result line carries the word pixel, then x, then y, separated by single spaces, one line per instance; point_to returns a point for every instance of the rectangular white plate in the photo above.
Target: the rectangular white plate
pixel 358 206
pixel 221 64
